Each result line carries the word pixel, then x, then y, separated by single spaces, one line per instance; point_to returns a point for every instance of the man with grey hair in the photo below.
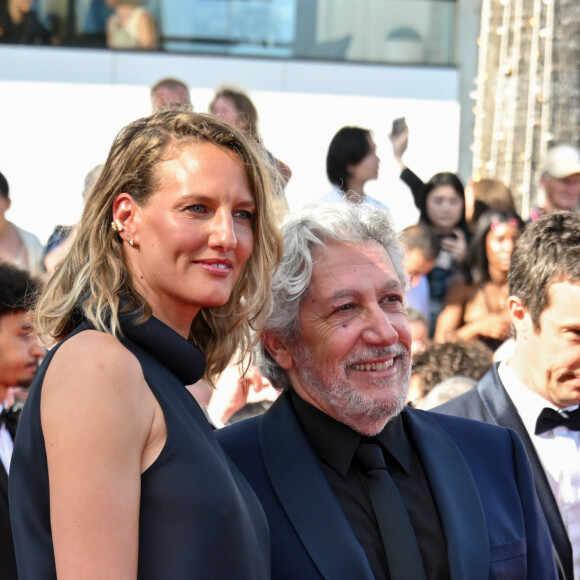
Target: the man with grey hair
pixel 354 484
pixel 560 180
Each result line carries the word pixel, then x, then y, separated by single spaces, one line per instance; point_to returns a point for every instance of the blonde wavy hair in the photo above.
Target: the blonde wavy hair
pixel 90 281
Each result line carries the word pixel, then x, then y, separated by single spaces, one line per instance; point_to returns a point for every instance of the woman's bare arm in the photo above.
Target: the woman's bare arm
pixel 96 413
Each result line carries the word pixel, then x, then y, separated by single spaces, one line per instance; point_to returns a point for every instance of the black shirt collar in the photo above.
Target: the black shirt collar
pixel 336 443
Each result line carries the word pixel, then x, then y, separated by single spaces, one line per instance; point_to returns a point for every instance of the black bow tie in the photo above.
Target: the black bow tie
pixel 550 419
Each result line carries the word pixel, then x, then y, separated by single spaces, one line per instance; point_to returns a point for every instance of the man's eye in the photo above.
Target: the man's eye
pixel 393 299
pixel 344 308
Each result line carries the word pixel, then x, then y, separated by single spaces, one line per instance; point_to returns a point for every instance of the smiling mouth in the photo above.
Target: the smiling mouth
pixel 374 366
pixel 218 267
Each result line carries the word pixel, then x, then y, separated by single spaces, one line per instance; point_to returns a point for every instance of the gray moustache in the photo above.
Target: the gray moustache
pixel 369 353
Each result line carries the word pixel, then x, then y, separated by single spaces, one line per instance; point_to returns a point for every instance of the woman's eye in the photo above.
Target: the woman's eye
pixel 244 214
pixel 197 208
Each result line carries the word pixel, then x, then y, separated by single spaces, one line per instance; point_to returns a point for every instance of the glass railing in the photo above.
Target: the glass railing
pixel 374 31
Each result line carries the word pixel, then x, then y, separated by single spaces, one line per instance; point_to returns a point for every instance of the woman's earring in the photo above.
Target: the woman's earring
pixel 117 225
pixel 131 243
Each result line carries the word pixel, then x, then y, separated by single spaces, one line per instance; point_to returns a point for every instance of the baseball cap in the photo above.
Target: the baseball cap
pixel 562 161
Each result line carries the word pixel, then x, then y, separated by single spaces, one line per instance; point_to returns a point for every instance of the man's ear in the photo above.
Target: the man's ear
pixel 124 210
pixel 520 315
pixel 277 349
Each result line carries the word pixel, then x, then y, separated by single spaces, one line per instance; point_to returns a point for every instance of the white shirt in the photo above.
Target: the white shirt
pixel 336 196
pixel 559 454
pixel 417 297
pixel 6 446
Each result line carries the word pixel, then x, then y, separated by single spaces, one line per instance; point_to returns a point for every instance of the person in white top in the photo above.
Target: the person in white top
pixel 19 356
pixel 351 162
pixel 536 390
pixel 17 246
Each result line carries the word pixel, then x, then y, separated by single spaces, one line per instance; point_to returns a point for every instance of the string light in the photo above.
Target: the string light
pixel 527 89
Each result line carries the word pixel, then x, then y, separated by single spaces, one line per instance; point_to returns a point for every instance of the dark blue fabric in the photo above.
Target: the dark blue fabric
pixel 490 403
pixel 480 479
pixel 198 517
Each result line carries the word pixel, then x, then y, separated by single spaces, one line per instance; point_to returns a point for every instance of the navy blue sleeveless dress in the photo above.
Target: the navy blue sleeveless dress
pixel 198 516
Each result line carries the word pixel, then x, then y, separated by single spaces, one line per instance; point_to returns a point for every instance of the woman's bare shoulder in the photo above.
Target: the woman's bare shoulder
pixel 93 360
pixel 93 346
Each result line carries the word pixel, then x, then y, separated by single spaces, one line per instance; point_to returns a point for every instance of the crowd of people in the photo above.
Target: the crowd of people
pixel 196 381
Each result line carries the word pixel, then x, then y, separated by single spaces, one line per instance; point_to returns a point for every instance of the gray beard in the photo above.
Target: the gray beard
pixel 351 406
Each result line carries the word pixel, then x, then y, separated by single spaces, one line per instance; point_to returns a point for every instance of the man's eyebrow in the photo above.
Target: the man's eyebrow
pixel 392 286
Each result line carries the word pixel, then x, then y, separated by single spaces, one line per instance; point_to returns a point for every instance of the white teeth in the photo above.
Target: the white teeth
pixel 374 366
pixel 220 266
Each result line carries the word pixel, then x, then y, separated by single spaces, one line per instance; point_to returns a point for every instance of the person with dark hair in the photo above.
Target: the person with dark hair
pixel 355 484
pixel 421 251
pixel 17 245
pixel 351 161
pixel 442 208
pixel 169 93
pixel 441 361
pixel 480 195
pixel 19 356
pixel 536 390
pixel 236 108
pixel 476 303
pixel 116 472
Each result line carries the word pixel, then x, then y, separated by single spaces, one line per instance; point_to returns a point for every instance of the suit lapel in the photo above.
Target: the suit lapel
pixel 307 497
pixel 3 481
pixel 501 409
pixel 455 495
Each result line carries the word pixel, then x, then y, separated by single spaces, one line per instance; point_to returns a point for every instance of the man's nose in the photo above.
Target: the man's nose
pixel 379 329
pixel 35 350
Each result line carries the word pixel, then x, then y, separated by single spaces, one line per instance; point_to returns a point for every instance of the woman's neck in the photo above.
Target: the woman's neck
pixel 357 187
pixel 124 12
pixel 497 277
pixel 4 224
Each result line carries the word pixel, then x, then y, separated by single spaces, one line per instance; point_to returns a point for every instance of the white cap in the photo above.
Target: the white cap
pixel 562 161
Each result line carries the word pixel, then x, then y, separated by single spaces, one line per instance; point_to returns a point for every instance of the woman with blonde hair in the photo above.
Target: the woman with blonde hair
pixel 116 472
pixel 131 26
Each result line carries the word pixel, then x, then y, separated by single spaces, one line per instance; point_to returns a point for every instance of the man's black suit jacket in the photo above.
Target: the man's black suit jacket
pixel 480 479
pixel 7 555
pixel 490 403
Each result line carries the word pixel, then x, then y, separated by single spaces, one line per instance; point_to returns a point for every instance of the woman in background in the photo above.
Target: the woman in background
pixel 476 305
pixel 116 472
pixel 237 109
pixel 130 26
pixel 351 162
pixel 443 210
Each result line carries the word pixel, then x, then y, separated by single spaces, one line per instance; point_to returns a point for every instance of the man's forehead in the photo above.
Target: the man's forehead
pixel 16 318
pixel 342 267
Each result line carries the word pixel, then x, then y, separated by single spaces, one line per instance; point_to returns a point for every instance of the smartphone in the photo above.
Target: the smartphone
pixel 399 125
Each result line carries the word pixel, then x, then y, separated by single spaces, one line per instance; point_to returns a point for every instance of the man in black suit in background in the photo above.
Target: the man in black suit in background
pixel 19 357
pixel 536 391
